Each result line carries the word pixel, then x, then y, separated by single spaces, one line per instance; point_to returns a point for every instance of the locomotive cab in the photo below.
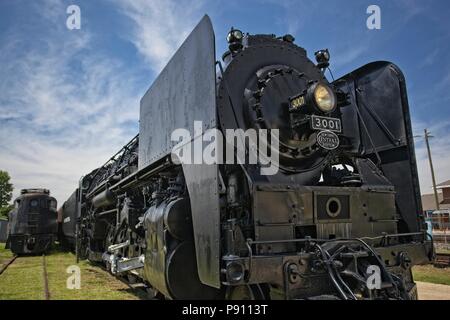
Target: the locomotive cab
pixel 33 222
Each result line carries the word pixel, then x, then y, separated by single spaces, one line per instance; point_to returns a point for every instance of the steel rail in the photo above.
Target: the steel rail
pixel 45 278
pixel 7 264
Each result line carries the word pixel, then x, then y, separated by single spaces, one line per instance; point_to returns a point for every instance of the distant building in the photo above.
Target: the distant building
pixel 445 187
pixel 440 219
pixel 429 204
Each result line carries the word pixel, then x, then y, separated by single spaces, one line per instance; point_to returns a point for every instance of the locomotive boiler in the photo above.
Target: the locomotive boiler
pixel 338 218
pixel 32 223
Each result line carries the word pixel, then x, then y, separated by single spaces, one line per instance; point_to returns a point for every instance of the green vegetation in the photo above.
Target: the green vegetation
pixel 442 250
pixel 5 254
pixel 23 280
pixel 6 189
pixel 431 274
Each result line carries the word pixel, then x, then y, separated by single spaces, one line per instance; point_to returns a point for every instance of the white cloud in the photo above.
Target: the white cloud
pixel 410 8
pixel 64 109
pixel 160 26
pixel 430 59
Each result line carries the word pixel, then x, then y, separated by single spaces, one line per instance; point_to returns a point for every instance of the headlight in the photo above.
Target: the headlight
pixel 234 35
pixel 235 272
pixel 238 34
pixel 324 98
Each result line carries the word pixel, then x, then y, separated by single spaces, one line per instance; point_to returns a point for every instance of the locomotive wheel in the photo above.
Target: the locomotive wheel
pixel 122 236
pixel 109 237
pixel 246 292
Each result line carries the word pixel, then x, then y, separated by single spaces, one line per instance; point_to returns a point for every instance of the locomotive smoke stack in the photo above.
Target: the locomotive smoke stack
pixel 288 38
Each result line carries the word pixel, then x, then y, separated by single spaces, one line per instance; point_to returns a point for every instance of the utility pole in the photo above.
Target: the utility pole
pixel 436 198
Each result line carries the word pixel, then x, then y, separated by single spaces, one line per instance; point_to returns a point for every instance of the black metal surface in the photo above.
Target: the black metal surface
pixel 203 186
pixel 263 77
pixel 33 222
pixel 184 92
pixel 254 230
pixel 3 230
pixel 326 211
pixel 378 92
pixel 69 216
pixel 156 251
pixel 182 278
pixel 30 243
pixel 121 165
pixel 33 215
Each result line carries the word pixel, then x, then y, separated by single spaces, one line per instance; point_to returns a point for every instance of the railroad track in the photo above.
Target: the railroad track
pixel 45 278
pixel 7 264
pixel 132 281
pixel 141 290
pixel 442 260
pixel 44 273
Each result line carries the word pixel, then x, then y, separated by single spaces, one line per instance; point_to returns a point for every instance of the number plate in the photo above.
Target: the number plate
pixel 324 123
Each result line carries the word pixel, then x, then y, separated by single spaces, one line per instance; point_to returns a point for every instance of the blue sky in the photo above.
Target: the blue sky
pixel 70 98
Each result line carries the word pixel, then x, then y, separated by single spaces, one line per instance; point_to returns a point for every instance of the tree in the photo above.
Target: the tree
pixel 6 189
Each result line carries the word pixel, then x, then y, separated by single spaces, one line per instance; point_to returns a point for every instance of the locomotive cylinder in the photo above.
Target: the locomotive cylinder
pixel 104 199
pixel 170 265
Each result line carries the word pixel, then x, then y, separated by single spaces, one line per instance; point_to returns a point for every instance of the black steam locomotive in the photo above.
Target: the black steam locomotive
pixel 338 218
pixel 33 223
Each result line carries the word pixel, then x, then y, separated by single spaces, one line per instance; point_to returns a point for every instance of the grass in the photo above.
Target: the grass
pixel 442 250
pixel 5 255
pixel 431 274
pixel 23 280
